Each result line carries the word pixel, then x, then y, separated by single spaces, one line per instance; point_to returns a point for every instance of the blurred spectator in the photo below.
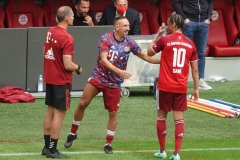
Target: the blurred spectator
pixel 155 1
pixel 197 15
pixel 3 3
pixel 83 17
pixel 120 8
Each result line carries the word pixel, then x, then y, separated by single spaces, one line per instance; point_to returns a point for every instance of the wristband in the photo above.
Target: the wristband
pixel 77 71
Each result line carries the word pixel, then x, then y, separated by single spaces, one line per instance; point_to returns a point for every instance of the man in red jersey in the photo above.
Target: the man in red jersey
pixel 58 68
pixel 177 53
pixel 110 71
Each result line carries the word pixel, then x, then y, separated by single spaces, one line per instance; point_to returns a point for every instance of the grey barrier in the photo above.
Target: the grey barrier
pixel 13 46
pixel 21 52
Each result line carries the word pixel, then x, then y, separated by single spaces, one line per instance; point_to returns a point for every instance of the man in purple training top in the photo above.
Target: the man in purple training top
pixel 114 50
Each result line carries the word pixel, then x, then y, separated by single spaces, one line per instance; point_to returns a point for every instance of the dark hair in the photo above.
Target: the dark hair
pixel 78 1
pixel 114 1
pixel 177 19
pixel 118 19
pixel 63 12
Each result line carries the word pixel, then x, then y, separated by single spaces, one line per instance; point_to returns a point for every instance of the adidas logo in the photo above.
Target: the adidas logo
pixel 49 55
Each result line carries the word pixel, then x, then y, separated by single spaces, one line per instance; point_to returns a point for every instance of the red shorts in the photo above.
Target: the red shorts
pixel 111 96
pixel 167 101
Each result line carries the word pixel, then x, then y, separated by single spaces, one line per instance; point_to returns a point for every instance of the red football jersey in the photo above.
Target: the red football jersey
pixel 58 43
pixel 177 52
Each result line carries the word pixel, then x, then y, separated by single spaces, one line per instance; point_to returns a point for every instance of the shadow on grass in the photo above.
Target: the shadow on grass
pixel 140 93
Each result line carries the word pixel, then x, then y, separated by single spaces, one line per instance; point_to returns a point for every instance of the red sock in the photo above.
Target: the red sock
pixel 179 131
pixel 74 128
pixel 161 131
pixel 109 137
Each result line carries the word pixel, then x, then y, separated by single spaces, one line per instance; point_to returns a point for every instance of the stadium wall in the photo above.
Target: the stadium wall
pixel 21 52
pixel 21 59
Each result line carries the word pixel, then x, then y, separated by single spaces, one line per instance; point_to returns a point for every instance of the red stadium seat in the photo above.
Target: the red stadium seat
pixel 51 7
pixel 237 6
pixel 23 14
pixel 223 31
pixel 149 14
pixel 165 10
pixel 2 16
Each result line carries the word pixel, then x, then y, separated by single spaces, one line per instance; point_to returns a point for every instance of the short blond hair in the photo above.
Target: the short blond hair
pixel 63 12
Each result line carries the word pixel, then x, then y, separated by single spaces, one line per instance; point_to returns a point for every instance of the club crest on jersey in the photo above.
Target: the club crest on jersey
pixel 126 49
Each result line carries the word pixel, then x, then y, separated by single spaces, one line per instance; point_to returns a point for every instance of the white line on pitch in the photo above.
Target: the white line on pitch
pixel 117 151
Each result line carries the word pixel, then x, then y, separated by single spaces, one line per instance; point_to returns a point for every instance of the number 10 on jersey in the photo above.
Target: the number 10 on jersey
pixel 179 55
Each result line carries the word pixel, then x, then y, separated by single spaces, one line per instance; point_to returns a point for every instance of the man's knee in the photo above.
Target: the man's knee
pixel 202 53
pixel 83 103
pixel 47 128
pixel 112 114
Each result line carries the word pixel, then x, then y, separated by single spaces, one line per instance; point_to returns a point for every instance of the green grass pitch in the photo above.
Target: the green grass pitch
pixel 207 137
